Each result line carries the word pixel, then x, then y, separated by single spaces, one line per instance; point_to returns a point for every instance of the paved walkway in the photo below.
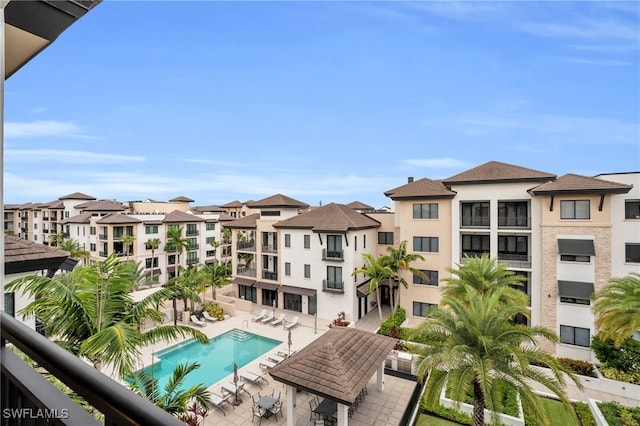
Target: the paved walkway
pixel 371 321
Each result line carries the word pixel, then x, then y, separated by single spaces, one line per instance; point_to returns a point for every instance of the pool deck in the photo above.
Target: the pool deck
pixel 379 408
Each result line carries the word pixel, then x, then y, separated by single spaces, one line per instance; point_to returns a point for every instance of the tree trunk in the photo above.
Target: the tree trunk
pixel 378 300
pixel 175 311
pixel 478 404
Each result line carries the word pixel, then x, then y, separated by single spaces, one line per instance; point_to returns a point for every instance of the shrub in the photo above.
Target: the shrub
pixel 340 320
pixel 580 367
pixel 616 414
pixel 626 358
pixel 584 414
pixel 215 311
pixel 394 320
pixel 613 374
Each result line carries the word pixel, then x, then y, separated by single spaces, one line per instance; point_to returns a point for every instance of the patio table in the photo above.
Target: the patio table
pixel 267 402
pixel 327 408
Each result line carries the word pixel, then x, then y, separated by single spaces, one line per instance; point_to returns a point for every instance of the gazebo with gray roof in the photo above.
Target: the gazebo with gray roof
pixel 337 365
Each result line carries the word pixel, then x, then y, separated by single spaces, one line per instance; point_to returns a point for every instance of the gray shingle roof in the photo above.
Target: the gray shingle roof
pixel 330 217
pixel 572 183
pixel 247 222
pixel 77 196
pixel 178 216
pixel 495 171
pixel 27 256
pixel 278 200
pixel 115 218
pixel 101 206
pixel 421 188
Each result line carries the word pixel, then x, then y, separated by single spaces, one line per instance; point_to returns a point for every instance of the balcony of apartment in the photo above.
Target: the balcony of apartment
pixel 333 286
pixel 269 248
pixel 103 236
pixel 195 246
pixel 30 399
pixel 514 260
pixel 246 272
pixel 45 231
pixel 471 254
pixel 269 275
pixel 103 254
pixel 54 217
pixel 475 221
pixel 192 260
pixel 246 246
pixel 45 217
pixel 514 222
pixel 333 255
pixel 192 232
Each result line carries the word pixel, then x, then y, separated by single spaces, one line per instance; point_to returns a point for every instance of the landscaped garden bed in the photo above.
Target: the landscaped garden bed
pixel 618 415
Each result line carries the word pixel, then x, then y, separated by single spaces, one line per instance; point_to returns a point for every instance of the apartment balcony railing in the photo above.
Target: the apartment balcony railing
pixel 193 232
pixel 474 222
pixel 103 254
pixel 333 255
pixel 246 245
pixel 45 231
pixel 103 236
pixel 27 396
pixel 45 217
pixel 193 247
pixel 193 260
pixel 471 253
pixel 515 260
pixel 269 275
pixel 269 248
pixel 522 222
pixel 54 217
pixel 246 272
pixel 333 286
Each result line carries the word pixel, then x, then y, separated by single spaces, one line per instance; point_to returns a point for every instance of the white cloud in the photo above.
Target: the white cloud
pixel 437 163
pixel 65 156
pixel 43 128
pixel 586 30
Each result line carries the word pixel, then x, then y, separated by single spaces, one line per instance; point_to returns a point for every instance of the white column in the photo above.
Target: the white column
pixel 380 378
pixel 291 405
pixel 343 415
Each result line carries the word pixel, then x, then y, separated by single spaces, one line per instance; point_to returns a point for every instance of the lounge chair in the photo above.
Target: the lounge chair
pixel 260 317
pixel 217 401
pixel 268 363
pixel 267 318
pixel 196 321
pixel 254 378
pixel 208 317
pixel 277 320
pixel 286 352
pixel 276 358
pixel 292 324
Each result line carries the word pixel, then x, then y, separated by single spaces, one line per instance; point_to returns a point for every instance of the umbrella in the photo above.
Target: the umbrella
pixel 289 341
pixel 235 382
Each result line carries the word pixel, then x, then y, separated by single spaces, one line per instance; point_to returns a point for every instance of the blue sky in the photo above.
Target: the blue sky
pixel 322 101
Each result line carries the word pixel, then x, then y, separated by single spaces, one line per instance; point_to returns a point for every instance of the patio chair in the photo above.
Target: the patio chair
pixel 276 409
pixel 277 320
pixel 259 317
pixel 267 318
pixel 285 352
pixel 258 412
pixel 268 363
pixel 196 321
pixel 218 402
pixel 254 378
pixel 275 358
pixel 208 317
pixel 292 324
pixel 314 416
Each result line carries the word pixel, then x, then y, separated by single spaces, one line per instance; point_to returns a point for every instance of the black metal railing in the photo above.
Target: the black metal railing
pixel 333 286
pixel 474 221
pixel 269 248
pixel 333 255
pixel 246 272
pixel 269 275
pixel 27 396
pixel 515 260
pixel 246 245
pixel 522 222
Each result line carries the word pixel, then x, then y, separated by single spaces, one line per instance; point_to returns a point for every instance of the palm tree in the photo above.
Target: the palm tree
pixel 56 239
pixel 399 260
pixel 617 308
pixel 377 272
pixel 220 276
pixel 127 242
pixel 191 283
pixel 485 274
pixel 91 313
pixel 153 244
pixel 472 345
pixel 176 242
pixel 174 399
pixel 74 249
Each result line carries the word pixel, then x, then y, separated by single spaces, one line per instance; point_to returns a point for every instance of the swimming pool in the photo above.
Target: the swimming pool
pixel 216 358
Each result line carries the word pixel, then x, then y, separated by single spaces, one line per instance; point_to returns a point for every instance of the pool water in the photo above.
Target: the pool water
pixel 215 358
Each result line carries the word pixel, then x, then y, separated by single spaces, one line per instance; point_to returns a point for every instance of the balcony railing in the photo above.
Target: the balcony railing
pixel 246 272
pixel 25 391
pixel 192 260
pixel 474 221
pixel 515 260
pixel 103 254
pixel 246 245
pixel 192 232
pixel 333 255
pixel 195 246
pixel 471 253
pixel 333 286
pixel 522 222
pixel 269 248
pixel 269 275
pixel 103 236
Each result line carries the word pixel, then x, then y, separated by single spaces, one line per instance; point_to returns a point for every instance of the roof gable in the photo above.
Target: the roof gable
pixel 279 200
pixel 243 222
pixel 421 188
pixel 330 217
pixel 178 216
pixel 77 196
pixel 497 172
pixel 115 218
pixel 572 184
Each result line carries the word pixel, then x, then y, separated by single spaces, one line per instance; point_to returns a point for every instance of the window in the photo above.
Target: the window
pixel 171 259
pixel 513 247
pixel 35 215
pixel 210 253
pixel 307 241
pixel 210 227
pixel 193 243
pixel 287 269
pixel 334 275
pixel 270 213
pixel 355 243
pixel 92 247
pixel 632 209
pixel 307 271
pixel 385 238
pixel 574 209
pixel 287 240
pixel 475 245
pixel 513 213
pixel 151 262
pixel 270 297
pixel 364 241
pixel 210 240
pixel 334 246
pixel 425 211
pixel 292 302
pixel 632 253
pixel 192 257
pixel 10 304
pixel 432 278
pixel 475 214
pixel 92 230
pixel 574 258
pixel 248 293
pixel 192 229
pixel 420 309
pixel 575 336
pixel 425 244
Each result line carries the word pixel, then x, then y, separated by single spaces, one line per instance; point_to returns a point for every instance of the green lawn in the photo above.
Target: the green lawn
pixel 557 413
pixel 427 420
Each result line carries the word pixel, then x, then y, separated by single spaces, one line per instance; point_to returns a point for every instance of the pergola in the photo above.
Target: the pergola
pixel 337 365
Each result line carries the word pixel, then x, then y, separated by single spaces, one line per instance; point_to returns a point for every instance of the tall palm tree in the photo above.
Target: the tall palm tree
pixel 153 244
pixel 127 242
pixel 91 313
pixel 378 272
pixel 617 308
pixel 74 249
pixel 220 276
pixel 56 239
pixel 174 399
pixel 485 274
pixel 473 345
pixel 400 260
pixel 176 242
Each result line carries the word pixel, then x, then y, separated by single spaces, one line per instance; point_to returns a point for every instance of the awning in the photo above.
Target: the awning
pixel 576 247
pixel 362 290
pixel 171 269
pixel 298 290
pixel 244 281
pixel 266 286
pixel 68 264
pixel 575 289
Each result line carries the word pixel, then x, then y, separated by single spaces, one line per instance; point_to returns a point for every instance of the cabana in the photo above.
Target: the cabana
pixel 337 365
